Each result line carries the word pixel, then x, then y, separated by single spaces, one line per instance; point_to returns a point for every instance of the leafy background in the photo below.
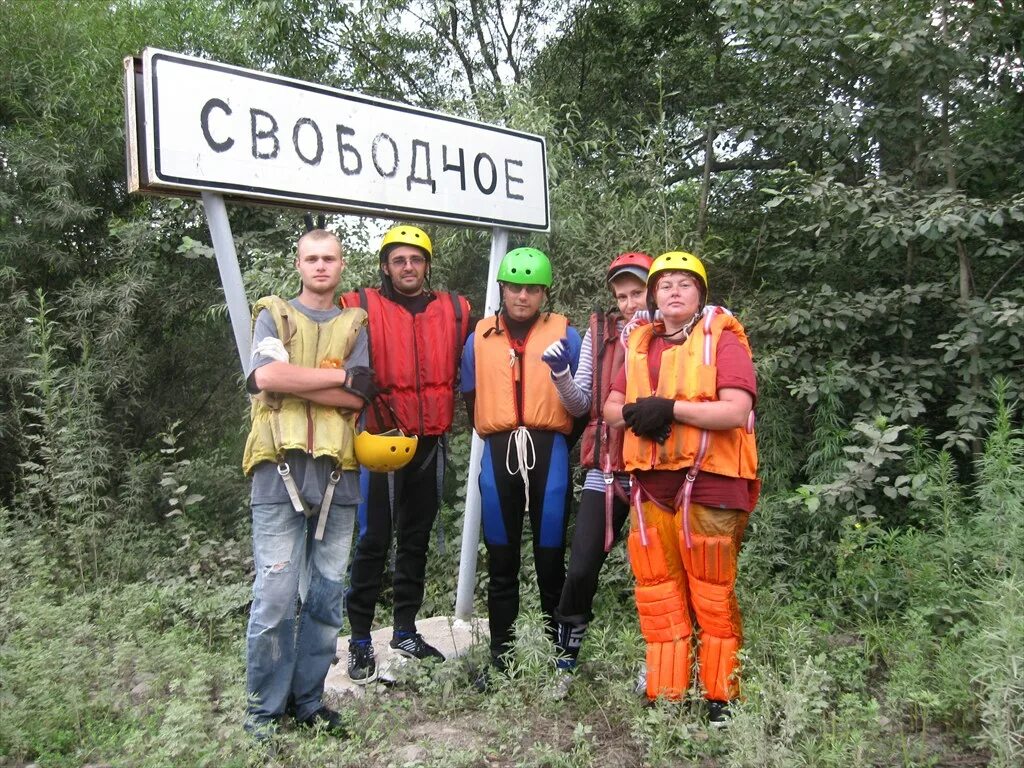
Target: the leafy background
pixel 849 171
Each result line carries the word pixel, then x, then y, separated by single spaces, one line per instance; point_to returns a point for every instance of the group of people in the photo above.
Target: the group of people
pixel 663 387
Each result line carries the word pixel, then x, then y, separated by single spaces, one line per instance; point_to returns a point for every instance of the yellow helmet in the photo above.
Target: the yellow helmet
pixel 405 234
pixel 677 260
pixel 385 452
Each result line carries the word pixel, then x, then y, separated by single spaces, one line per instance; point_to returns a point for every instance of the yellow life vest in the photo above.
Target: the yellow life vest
pixel 688 372
pixel 497 407
pixel 282 422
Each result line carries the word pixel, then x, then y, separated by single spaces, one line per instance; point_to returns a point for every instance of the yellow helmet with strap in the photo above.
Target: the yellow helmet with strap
pixel 405 234
pixel 673 260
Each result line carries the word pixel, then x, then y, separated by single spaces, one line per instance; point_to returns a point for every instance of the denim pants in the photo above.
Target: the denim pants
pixel 296 612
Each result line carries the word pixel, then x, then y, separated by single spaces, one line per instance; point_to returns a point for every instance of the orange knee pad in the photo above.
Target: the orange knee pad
pixel 711 559
pixel 711 570
pixel 650 563
pixel 668 669
pixel 664 614
pixel 719 668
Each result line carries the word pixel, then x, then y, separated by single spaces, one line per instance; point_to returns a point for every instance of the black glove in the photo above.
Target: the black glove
pixel 650 417
pixel 359 381
pixel 629 415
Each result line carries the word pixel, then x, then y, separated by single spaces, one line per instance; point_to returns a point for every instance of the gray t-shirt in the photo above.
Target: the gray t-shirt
pixel 311 475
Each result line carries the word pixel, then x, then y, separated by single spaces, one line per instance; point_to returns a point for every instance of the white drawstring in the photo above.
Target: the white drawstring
pixel 526 457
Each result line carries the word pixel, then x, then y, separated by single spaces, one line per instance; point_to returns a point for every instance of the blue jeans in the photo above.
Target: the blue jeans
pixel 296 612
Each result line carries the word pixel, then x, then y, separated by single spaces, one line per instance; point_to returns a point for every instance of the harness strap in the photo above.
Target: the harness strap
pixel 393 541
pixel 441 466
pixel 298 503
pixel 325 505
pixel 611 490
pixel 638 505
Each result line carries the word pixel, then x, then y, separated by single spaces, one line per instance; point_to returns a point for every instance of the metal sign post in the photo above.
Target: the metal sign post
pixel 471 518
pixel 230 274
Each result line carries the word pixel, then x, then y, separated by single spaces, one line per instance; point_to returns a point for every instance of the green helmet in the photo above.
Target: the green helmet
pixel 525 266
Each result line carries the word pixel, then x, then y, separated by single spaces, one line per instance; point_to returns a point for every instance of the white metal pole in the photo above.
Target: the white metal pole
pixel 471 520
pixel 230 274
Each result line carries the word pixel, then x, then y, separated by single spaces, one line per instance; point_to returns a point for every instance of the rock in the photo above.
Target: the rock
pixel 411 754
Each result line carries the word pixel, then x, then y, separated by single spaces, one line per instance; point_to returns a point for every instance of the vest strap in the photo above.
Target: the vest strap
pixel 686 490
pixel 598 365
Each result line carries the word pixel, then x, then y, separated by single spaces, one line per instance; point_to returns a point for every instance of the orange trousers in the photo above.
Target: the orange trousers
pixel 677 587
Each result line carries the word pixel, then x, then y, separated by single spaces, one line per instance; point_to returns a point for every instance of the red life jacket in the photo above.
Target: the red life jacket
pixel 417 356
pixel 601 446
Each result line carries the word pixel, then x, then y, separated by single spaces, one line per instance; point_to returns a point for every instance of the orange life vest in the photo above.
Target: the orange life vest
pixel 688 372
pixel 498 368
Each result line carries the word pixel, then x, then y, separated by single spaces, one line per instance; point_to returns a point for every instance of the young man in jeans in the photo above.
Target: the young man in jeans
pixel 309 381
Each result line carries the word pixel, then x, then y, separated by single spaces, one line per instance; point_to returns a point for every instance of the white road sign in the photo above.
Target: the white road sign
pixel 195 125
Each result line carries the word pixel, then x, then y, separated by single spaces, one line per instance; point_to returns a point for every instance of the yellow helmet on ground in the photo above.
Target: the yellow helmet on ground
pixel 385 452
pixel 677 260
pixel 405 234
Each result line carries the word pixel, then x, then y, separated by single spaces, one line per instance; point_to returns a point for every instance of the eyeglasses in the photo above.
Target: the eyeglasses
pixel 401 261
pixel 531 290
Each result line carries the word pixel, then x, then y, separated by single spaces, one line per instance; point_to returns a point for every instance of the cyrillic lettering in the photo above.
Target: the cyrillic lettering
pixel 204 121
pixel 494 173
pixel 509 178
pixel 258 135
pixel 461 167
pixel 394 155
pixel 412 178
pixel 315 160
pixel 343 147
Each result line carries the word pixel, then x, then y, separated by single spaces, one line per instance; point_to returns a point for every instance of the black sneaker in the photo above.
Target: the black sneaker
pixel 326 720
pixel 483 678
pixel 415 647
pixel 718 713
pixel 362 666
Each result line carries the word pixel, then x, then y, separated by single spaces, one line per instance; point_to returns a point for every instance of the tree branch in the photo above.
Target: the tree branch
pixel 736 164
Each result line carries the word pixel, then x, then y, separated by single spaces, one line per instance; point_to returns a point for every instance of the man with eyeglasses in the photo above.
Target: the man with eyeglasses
pixel 524 470
pixel 416 337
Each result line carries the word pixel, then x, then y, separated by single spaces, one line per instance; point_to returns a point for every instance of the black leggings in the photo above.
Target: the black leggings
pixel 503 499
pixel 416 504
pixel 587 556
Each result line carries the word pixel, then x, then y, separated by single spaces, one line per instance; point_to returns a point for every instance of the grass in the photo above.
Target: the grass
pixel 151 673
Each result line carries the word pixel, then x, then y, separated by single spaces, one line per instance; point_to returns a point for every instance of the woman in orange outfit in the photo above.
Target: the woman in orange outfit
pixel 686 394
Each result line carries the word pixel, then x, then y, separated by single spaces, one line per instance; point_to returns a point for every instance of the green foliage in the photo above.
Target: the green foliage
pixel 997 675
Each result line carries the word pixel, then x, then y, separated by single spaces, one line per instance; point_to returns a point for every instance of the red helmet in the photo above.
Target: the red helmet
pixel 632 263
